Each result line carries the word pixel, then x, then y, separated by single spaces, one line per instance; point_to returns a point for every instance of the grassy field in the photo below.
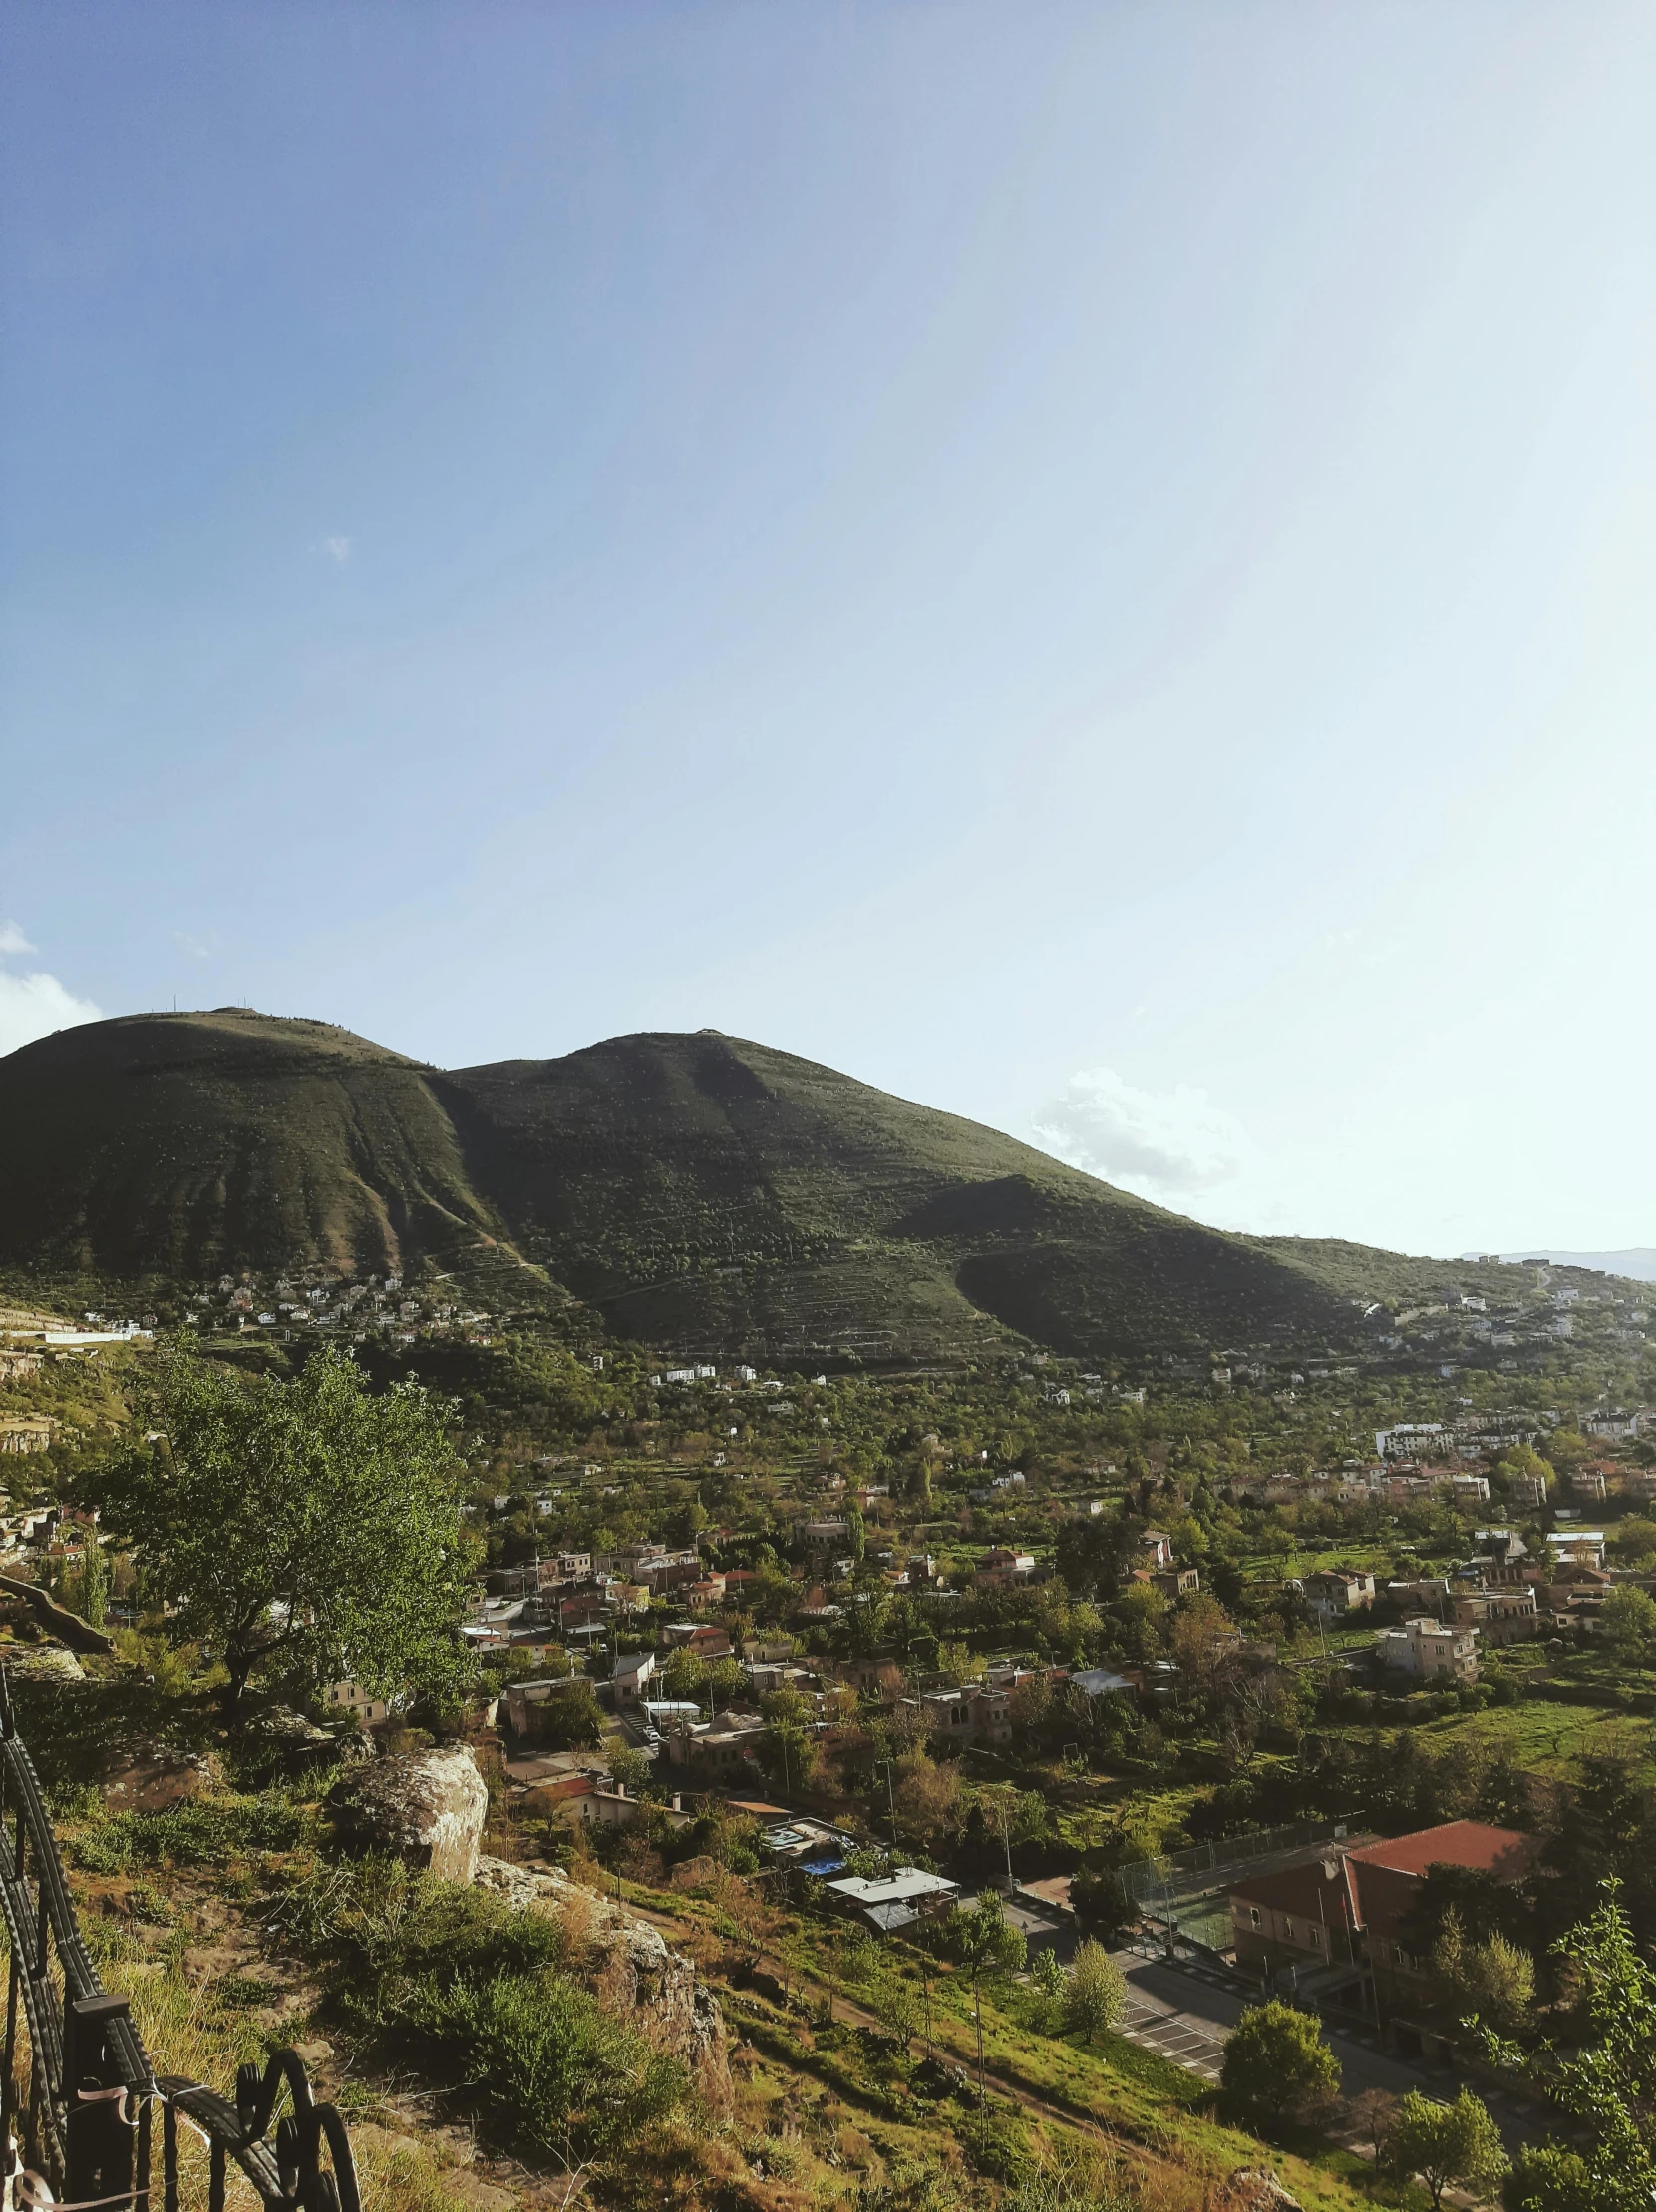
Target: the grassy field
pixel 1547 1739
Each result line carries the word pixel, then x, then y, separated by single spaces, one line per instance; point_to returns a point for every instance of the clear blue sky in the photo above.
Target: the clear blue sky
pixel 1089 564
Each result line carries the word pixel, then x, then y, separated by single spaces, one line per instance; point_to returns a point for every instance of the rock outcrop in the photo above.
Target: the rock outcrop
pixel 426 1807
pixel 633 1964
pixel 1256 2190
pixel 141 1777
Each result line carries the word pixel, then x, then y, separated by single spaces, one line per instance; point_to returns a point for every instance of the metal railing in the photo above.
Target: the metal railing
pixel 1198 1867
pixel 77 2134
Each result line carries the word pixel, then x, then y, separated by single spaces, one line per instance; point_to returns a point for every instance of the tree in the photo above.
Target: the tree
pixel 87 1590
pixel 570 1717
pixel 895 2005
pixel 1100 1902
pixel 1370 2114
pixel 1493 1980
pixel 1277 2064
pixel 1447 2145
pixel 308 1529
pixel 629 1766
pixel 1607 2081
pixel 1012 1815
pixel 1095 1994
pixel 1049 1978
pixel 1627 1620
pixel 1547 2177
pixel 926 1794
pixel 683 1674
pixel 980 1939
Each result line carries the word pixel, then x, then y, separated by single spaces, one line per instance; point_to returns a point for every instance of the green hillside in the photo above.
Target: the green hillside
pixel 180 1145
pixel 703 1192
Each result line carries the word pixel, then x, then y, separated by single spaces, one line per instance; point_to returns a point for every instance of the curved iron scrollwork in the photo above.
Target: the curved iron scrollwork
pixel 77 2135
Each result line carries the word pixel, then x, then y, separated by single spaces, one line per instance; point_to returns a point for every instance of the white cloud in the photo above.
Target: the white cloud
pixel 1163 1145
pixel 337 548
pixel 12 939
pixel 33 1006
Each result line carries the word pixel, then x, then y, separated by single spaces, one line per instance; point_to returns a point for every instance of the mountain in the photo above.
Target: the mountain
pixel 702 1192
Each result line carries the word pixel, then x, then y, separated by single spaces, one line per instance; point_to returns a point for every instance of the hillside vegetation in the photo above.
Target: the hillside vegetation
pixel 699 1191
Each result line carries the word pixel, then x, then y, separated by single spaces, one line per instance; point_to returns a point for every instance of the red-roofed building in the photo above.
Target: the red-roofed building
pixel 1348 1908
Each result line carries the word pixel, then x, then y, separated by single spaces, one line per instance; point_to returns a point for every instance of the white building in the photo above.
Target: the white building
pixel 1429 1650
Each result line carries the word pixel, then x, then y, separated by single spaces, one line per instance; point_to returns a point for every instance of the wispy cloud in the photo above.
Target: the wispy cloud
pixel 1163 1145
pixel 33 1006
pixel 12 939
pixel 337 548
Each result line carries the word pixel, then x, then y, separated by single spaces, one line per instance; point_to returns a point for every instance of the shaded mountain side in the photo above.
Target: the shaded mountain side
pixel 183 1144
pixel 703 1192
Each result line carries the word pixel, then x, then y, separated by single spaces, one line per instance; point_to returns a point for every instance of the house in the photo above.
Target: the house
pixel 630 1675
pixel 1500 1616
pixel 895 1902
pixel 1160 1548
pixel 1577 1547
pixel 1588 1485
pixel 718 1749
pixel 1469 1489
pixel 1338 1918
pixel 1332 1593
pixel 1001 1566
pixel 701 1637
pixel 1099 1681
pixel 1173 1582
pixel 362 1706
pixel 1429 1650
pixel 1431 1595
pixel 810 1845
pixel 591 1801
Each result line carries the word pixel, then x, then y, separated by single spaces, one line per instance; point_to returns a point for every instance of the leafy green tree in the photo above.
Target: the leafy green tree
pixel 1010 1815
pixel 981 1940
pixel 1493 1980
pixel 1447 2145
pixel 87 1590
pixel 683 1673
pixel 1048 1978
pixel 306 1529
pixel 1545 2178
pixel 1101 1904
pixel 1608 2082
pixel 1095 1994
pixel 1627 1621
pixel 856 1533
pixel 629 1766
pixel 1277 2064
pixel 570 1718
pixel 896 2006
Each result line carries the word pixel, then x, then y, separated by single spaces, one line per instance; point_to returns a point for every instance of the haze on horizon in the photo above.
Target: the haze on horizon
pixel 1086 564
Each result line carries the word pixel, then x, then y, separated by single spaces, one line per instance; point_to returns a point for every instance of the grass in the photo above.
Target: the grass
pixel 1547 1739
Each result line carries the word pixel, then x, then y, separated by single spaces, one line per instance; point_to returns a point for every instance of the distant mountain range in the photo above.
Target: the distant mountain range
pixel 1638 1263
pixel 699 1191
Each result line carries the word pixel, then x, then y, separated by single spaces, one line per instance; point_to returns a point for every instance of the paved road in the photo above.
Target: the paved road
pixel 1188 2020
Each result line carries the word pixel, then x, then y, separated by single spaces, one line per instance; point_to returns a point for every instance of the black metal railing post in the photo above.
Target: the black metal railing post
pixel 85 2132
pixel 99 2124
